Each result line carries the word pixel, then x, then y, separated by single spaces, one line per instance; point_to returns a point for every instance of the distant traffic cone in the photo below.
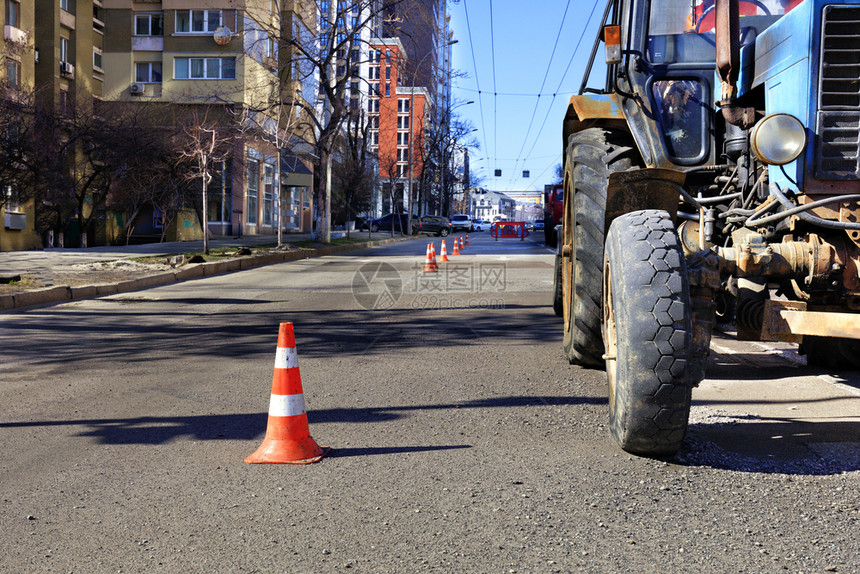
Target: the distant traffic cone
pixel 429 264
pixel 467 239
pixel 461 243
pixel 443 253
pixel 456 250
pixel 288 439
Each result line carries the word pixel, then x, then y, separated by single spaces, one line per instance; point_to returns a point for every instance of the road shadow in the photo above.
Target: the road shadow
pixel 773 446
pixel 252 426
pixel 246 333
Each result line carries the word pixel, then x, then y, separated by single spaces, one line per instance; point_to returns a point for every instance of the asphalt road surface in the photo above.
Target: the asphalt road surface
pixel 462 440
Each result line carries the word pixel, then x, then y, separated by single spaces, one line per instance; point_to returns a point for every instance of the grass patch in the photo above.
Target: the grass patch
pixel 27 283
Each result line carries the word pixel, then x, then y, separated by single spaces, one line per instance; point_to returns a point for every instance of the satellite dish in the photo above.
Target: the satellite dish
pixel 222 35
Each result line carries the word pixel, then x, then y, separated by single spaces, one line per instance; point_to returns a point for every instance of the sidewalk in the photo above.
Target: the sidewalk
pixel 69 274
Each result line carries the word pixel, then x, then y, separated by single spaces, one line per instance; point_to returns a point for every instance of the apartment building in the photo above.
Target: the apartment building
pixel 398 116
pixel 219 54
pixel 69 40
pixel 17 75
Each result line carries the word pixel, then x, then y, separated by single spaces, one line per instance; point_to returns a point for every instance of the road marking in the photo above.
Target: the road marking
pixel 791 356
pixel 841 386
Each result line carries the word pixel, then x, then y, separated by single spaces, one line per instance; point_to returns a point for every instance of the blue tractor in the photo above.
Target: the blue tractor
pixel 714 175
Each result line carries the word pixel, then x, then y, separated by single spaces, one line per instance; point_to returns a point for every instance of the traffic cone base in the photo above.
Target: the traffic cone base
pixel 288 439
pixel 288 451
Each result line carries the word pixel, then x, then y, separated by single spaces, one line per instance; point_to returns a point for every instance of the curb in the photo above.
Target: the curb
pixel 63 293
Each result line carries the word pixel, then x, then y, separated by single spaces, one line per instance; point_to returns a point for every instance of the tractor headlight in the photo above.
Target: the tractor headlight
pixel 778 139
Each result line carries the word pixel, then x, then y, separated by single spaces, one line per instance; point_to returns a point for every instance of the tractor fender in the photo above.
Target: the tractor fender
pixel 592 110
pixel 647 188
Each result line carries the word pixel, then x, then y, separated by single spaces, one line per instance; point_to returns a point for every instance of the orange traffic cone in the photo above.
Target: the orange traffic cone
pixel 461 243
pixel 288 439
pixel 467 239
pixel 433 255
pixel 456 248
pixel 429 264
pixel 443 253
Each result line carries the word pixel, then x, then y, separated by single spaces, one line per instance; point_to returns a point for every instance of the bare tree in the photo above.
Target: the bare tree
pixel 355 171
pixel 206 135
pixel 82 152
pixel 329 48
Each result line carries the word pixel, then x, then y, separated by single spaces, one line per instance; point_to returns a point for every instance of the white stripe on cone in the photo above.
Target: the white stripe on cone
pixel 286 405
pixel 286 358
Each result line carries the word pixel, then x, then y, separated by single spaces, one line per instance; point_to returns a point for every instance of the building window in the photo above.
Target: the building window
pixel 403 106
pixel 204 68
pixel 374 88
pixel 403 122
pixel 147 72
pixel 191 21
pixel 268 193
pixel 13 13
pixel 374 122
pixel 373 106
pixel 97 60
pixel 253 178
pixel 149 25
pixel 13 73
pixel 387 72
pixel 64 49
pixel 402 155
pixel 403 138
pixel 64 103
pixel 373 73
pixel 64 4
pixel 374 138
pixel 387 90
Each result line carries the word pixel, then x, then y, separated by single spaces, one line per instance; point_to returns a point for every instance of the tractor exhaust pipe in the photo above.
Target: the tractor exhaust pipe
pixel 729 63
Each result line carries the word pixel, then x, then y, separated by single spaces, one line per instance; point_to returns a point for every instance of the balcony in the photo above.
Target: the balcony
pixel 14 35
pixel 67 19
pixel 147 43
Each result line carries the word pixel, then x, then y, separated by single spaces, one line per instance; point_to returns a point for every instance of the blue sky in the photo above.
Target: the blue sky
pixel 508 62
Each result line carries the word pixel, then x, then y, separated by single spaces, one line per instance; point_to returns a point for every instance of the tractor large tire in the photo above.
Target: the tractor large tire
pixel 591 156
pixel 647 333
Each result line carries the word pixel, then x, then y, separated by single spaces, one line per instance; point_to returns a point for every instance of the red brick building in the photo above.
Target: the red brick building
pixel 397 119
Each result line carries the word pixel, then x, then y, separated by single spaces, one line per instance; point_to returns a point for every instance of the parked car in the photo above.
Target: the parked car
pixel 480 225
pixel 461 222
pixel 432 224
pixel 385 223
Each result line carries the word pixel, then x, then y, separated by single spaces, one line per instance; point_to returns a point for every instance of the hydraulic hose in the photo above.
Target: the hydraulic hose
pixel 801 210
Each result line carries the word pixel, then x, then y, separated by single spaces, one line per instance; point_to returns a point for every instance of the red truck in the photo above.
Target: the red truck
pixel 552 211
